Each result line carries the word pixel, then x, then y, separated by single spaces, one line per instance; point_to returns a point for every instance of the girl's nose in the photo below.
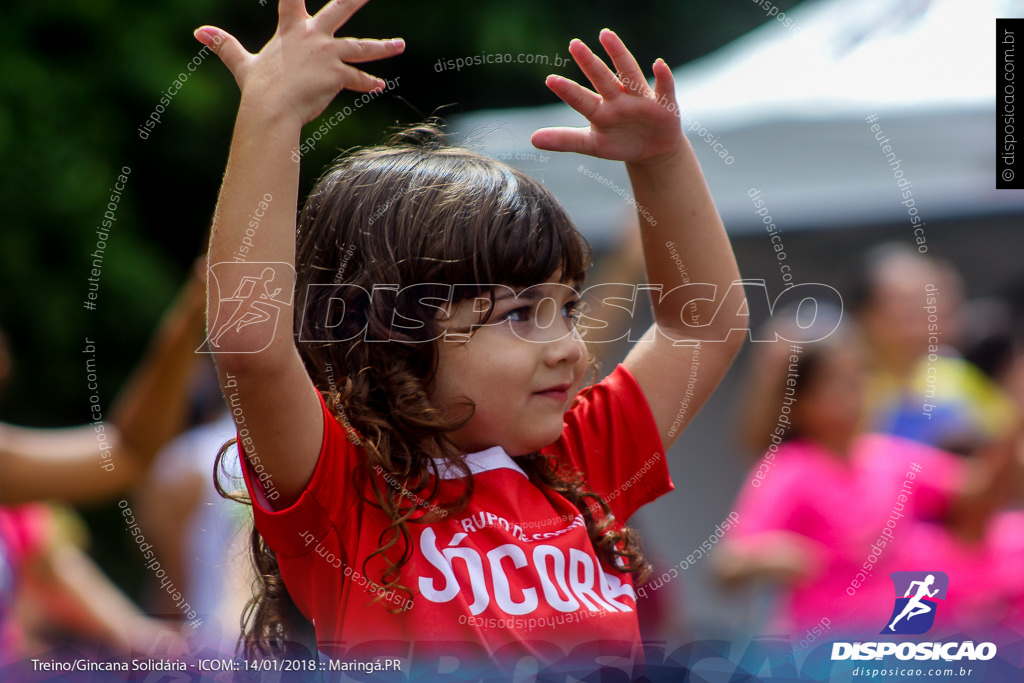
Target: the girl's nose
pixel 568 348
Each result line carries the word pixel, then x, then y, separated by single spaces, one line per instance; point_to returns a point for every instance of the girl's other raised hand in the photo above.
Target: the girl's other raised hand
pixel 629 121
pixel 303 66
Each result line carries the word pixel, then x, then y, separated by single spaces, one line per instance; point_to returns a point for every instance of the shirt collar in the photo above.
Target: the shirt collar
pixel 493 458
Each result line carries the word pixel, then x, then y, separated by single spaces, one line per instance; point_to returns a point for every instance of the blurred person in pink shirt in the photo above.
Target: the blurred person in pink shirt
pixel 830 510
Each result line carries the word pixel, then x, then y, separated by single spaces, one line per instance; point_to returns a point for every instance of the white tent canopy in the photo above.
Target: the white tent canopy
pixel 789 106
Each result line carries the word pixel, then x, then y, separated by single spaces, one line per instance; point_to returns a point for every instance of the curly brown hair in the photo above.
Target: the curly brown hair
pixel 432 222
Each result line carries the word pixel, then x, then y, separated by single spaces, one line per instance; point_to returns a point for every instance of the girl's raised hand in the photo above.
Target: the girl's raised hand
pixel 303 66
pixel 629 121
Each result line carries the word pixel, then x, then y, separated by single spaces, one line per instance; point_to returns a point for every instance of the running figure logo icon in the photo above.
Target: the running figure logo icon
pixel 247 295
pixel 914 612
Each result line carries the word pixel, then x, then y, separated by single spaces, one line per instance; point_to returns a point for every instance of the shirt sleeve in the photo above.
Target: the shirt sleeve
pixel 328 495
pixel 776 504
pixel 610 436
pixel 938 476
pixel 772 502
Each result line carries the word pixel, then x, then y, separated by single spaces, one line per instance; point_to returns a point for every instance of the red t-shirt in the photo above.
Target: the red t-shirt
pixel 512 575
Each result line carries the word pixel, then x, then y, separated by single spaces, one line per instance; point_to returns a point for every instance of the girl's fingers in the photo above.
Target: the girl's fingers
pixel 290 13
pixel 357 51
pixel 600 76
pixel 562 139
pixel 575 95
pixel 664 82
pixel 224 45
pixel 335 13
pixel 360 81
pixel 630 73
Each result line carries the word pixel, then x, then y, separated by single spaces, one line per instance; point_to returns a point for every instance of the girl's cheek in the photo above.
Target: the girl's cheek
pixel 581 364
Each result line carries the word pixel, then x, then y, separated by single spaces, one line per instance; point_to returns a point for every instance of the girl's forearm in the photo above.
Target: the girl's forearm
pixel 60 463
pixel 254 223
pixel 151 408
pixel 681 214
pixel 77 596
pixel 81 464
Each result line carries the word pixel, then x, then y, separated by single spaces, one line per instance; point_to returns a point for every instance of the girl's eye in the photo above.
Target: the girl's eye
pixel 518 315
pixel 571 310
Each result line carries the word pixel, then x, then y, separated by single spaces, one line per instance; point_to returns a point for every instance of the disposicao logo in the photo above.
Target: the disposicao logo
pixel 917 596
pixel 914 612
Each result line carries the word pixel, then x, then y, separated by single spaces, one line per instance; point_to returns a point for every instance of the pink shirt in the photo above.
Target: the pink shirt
pixel 22 532
pixel 864 517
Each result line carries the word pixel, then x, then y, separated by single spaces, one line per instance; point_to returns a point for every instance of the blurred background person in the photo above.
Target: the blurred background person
pixel 994 343
pixel 197 534
pixel 910 307
pixel 50 590
pixel 95 461
pixel 815 516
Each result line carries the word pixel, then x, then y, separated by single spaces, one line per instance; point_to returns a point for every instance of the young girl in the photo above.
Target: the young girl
pixel 425 478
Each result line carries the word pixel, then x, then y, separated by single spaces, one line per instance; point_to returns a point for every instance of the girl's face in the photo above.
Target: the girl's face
pixel 521 369
pixel 831 406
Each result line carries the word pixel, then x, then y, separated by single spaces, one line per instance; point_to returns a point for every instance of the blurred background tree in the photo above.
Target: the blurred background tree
pixel 80 77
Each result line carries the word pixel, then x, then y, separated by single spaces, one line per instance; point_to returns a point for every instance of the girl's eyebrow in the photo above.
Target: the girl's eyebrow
pixel 516 294
pixel 532 293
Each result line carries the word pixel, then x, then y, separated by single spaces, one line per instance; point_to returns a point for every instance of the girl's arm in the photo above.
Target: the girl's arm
pixel 151 408
pixel 631 122
pixel 149 411
pixel 774 555
pixel 65 588
pixel 59 463
pixel 287 84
